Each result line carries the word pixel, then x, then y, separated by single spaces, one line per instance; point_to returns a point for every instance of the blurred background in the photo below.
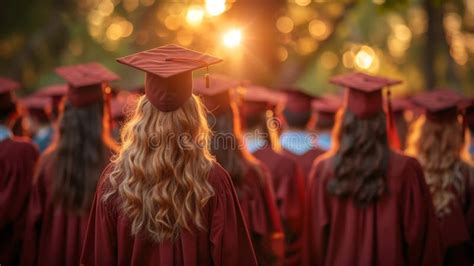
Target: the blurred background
pixel 426 43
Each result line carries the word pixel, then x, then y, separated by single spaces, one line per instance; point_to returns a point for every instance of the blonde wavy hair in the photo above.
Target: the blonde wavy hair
pixel 439 148
pixel 161 170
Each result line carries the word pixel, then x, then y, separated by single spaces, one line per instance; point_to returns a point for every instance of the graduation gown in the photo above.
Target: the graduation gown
pixel 255 195
pixel 400 228
pixel 53 235
pixel 288 184
pixel 17 163
pixel 225 242
pixel 306 160
pixel 457 227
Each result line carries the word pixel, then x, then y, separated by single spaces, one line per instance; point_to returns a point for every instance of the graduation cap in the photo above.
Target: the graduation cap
pixel 297 101
pixel 327 105
pixel 364 94
pixel 34 102
pixel 85 82
pixel 7 98
pixel 216 97
pixel 257 99
pixel 399 105
pixel 364 98
pixel 169 79
pixel 39 107
pixel 55 91
pixel 441 105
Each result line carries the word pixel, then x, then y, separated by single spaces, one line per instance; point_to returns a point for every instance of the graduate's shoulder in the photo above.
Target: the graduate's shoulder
pixel 20 145
pixel 218 177
pixel 401 163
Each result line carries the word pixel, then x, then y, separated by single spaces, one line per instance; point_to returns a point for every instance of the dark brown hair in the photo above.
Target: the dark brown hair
pixel 227 145
pixel 79 155
pixel 361 154
pixel 297 120
pixel 6 112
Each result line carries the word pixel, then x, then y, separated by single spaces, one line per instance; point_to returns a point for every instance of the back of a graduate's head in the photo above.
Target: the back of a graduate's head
pixel 226 144
pixel 297 120
pixel 166 152
pixel 79 139
pixel 255 121
pixel 439 148
pixel 361 153
pixel 7 114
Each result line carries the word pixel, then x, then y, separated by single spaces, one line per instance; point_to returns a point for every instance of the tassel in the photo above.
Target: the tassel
pixel 392 133
pixel 464 123
pixel 107 98
pixel 181 59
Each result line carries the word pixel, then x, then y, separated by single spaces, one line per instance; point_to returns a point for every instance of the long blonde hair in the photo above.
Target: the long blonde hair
pixel 438 148
pixel 161 170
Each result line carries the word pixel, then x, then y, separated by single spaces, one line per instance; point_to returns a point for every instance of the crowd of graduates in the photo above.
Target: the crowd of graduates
pixel 214 170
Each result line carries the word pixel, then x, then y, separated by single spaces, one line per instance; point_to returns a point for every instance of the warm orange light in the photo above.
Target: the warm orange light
pixel 365 57
pixel 114 32
pixel 285 24
pixel 318 29
pixel 329 60
pixel 195 15
pixel 348 59
pixel 215 7
pixel 303 2
pixel 232 38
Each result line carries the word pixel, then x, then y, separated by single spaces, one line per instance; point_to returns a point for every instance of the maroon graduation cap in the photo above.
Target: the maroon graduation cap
pixel 327 105
pixel 7 87
pixel 364 98
pixel 257 99
pixel 216 97
pixel 442 105
pixel 35 103
pixel 39 107
pixel 85 82
pixel 364 94
pixel 399 105
pixel 169 79
pixel 54 91
pixel 297 101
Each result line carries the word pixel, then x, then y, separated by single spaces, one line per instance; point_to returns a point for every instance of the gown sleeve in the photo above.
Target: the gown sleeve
pixel 16 183
pixel 316 218
pixel 420 225
pixel 100 243
pixel 36 205
pixel 230 240
pixel 277 238
pixel 469 206
pixel 293 206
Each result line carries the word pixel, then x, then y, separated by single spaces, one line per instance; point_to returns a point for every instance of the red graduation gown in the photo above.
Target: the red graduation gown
pixel 255 194
pixel 288 184
pixel 306 160
pixel 226 241
pixel 17 163
pixel 399 229
pixel 457 227
pixel 53 235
